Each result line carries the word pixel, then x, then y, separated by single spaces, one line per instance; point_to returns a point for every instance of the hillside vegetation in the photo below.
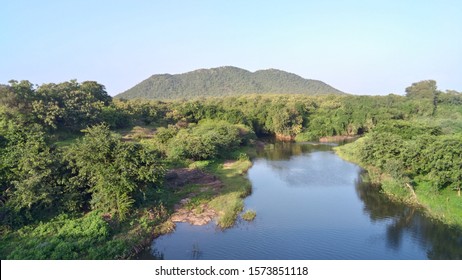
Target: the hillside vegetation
pixel 224 81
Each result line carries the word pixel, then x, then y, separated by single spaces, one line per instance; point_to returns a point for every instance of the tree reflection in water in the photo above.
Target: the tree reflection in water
pixel 439 240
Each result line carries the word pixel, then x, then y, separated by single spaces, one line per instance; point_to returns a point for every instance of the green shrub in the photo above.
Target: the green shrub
pixel 206 140
pixel 249 215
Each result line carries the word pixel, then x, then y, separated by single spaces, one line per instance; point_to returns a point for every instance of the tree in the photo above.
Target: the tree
pixel 31 173
pixel 16 101
pixel 82 103
pixel 443 164
pixel 113 171
pixel 67 105
pixel 426 90
pixel 207 140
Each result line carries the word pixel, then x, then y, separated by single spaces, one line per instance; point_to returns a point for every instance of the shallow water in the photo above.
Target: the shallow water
pixel 311 204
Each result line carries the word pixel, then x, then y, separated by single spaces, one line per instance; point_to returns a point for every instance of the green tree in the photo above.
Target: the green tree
pixel 443 162
pixel 206 140
pixel 67 105
pixel 113 171
pixel 425 90
pixel 82 103
pixel 31 173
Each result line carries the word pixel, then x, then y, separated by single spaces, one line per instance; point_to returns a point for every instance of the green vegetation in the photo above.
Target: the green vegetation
pixel 249 215
pixel 230 202
pixel 82 175
pixel 424 170
pixel 224 81
pixel 91 236
pixel 206 140
pixel 418 160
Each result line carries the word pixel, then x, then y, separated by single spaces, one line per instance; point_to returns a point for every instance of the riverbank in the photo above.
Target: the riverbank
pixel 102 237
pixel 294 187
pixel 215 192
pixel 443 205
pixel 337 138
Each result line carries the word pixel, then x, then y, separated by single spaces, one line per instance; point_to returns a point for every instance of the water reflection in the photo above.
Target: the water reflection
pixel 437 239
pixel 313 205
pixel 279 151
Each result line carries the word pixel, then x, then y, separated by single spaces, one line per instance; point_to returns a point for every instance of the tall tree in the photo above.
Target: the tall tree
pixel 425 90
pixel 113 171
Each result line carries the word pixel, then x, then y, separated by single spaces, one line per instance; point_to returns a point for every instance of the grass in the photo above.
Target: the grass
pixel 396 190
pixel 445 205
pixel 66 142
pixel 227 200
pixel 199 199
pixel 137 133
pixel 249 215
pixel 66 139
pixel 236 187
pixel 200 164
pixel 348 151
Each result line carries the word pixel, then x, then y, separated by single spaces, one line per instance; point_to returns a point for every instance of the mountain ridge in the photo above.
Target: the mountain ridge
pixel 225 81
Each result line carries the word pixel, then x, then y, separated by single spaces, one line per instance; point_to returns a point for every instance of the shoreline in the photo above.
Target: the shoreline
pixel 411 198
pixel 337 138
pixel 197 207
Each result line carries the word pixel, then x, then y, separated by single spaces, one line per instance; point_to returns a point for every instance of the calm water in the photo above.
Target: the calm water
pixel 311 204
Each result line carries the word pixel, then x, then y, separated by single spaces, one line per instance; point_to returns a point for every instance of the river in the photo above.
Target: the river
pixel 311 204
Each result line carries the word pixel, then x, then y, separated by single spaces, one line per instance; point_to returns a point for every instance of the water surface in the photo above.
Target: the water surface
pixel 311 204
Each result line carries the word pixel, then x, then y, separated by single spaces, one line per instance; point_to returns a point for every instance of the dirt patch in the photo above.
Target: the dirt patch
pixel 202 214
pixel 199 216
pixel 180 177
pixel 284 138
pixel 336 138
pixel 138 133
pixel 228 164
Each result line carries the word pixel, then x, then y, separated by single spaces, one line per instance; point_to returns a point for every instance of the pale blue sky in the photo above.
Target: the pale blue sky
pixel 363 47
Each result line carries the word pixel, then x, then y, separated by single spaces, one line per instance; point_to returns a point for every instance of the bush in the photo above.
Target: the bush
pixel 207 140
pixel 62 238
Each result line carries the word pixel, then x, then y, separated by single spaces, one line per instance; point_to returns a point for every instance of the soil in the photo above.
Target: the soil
pixel 137 133
pixel 336 138
pixel 195 217
pixel 180 177
pixel 203 214
pixel 284 138
pixel 228 163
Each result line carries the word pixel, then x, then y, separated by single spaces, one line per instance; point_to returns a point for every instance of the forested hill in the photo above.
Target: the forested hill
pixel 225 81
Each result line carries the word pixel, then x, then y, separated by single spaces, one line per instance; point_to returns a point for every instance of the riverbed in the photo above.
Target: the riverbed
pixel 311 204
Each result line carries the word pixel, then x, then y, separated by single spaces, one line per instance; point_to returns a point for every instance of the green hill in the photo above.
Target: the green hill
pixel 223 81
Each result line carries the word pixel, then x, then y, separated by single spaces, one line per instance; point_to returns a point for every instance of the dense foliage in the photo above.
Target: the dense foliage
pixel 207 140
pixel 80 170
pixel 417 149
pixel 224 81
pixel 112 171
pixel 418 158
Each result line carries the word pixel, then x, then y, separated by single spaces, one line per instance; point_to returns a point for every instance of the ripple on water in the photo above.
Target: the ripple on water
pixel 313 205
